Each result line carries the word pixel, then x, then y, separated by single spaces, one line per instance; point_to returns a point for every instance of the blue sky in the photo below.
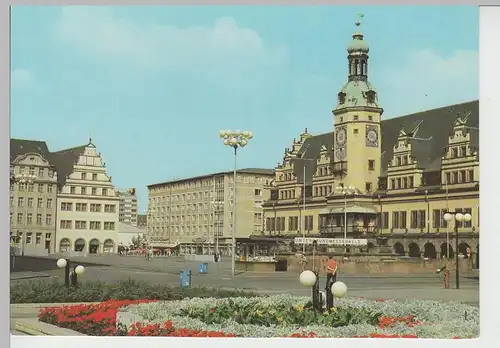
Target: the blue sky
pixel 155 85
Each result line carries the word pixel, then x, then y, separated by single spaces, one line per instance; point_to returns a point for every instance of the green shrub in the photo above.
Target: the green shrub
pixel 41 291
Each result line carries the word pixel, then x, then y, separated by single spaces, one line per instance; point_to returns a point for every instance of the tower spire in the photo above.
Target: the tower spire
pixel 358 54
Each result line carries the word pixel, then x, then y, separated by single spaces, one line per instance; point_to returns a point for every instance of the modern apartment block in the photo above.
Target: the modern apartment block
pixel 128 206
pixel 195 213
pixel 33 191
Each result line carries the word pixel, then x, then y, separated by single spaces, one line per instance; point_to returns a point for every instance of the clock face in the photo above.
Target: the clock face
pixel 371 136
pixel 340 153
pixel 341 136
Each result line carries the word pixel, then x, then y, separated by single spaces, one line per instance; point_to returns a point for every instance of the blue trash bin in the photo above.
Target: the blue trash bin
pixel 203 268
pixel 185 276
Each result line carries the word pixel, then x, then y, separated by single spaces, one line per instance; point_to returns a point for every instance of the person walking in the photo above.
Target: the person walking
pixel 331 270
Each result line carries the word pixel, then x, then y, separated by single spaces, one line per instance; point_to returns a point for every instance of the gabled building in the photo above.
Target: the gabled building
pixel 393 179
pixel 33 195
pixel 87 204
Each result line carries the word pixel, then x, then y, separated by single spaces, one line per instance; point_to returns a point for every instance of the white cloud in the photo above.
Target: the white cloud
pixel 427 80
pixel 99 34
pixel 20 77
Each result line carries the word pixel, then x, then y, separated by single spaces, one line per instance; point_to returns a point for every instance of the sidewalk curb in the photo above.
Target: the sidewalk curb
pixel 43 275
pixel 34 327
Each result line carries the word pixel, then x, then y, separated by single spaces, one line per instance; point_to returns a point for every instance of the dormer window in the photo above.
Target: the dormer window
pixel 370 96
pixel 341 97
pixel 463 151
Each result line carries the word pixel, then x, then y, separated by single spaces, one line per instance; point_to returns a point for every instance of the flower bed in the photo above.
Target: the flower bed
pixel 273 316
pixel 289 316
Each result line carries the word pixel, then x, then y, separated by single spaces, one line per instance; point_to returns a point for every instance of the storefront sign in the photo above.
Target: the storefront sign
pixel 331 241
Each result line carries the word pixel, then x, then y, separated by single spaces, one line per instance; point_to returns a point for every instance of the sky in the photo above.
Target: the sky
pixel 154 85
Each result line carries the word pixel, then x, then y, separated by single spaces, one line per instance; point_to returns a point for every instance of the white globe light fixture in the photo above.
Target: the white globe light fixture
pixel 235 139
pixel 339 289
pixel 459 217
pixel 448 217
pixel 467 217
pixel 61 263
pixel 79 269
pixel 307 278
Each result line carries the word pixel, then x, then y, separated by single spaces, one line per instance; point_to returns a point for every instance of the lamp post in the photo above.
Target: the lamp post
pixel 458 217
pixel 234 139
pixel 345 191
pixel 148 231
pixel 27 179
pixel 70 277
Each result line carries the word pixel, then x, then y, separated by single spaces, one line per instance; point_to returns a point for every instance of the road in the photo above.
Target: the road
pixel 166 271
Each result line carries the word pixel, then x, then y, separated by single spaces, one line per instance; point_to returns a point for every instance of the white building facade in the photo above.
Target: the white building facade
pixel 128 206
pixel 87 203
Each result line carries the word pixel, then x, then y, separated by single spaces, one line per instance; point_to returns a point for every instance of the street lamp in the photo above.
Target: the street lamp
pixel 27 179
pixel 235 139
pixel 68 274
pixel 458 217
pixel 345 191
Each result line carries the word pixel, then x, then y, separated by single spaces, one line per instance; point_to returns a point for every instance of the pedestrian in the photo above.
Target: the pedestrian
pixel 216 258
pixel 331 270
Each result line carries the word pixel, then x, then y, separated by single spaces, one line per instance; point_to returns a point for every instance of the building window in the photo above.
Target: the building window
pixel 385 220
pixel 11 201
pixel 30 202
pixel 40 203
pixel 393 184
pixel 20 218
pixel 94 177
pixel 398 180
pixel 65 206
pixel 81 225
pixel 355 118
pixel 32 171
pixel 454 152
pixel 258 192
pixel 355 131
pixel 65 224
pixel 31 187
pixel 49 188
pixel 94 191
pixel 38 238
pixel 81 206
pixel 463 151
pixel 84 176
pixel 470 175
pixel 110 208
pixel 72 190
pixel 308 223
pixel 39 219
pixel 20 202
pixel 370 118
pixel 411 183
pixel 95 225
pixel 405 183
pixel 421 219
pixel 83 190
pixel 104 192
pixel 49 203
pixel 109 225
pixel 395 219
pixel 48 219
pixel 402 219
pixel 454 177
pixel 41 172
pixel 40 188
pixel 29 236
pixel 371 164
pixel 368 186
pixel 29 219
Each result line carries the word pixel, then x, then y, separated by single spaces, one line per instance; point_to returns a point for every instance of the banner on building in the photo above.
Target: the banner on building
pixel 331 241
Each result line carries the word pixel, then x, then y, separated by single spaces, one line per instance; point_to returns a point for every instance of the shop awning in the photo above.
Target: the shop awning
pixel 355 209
